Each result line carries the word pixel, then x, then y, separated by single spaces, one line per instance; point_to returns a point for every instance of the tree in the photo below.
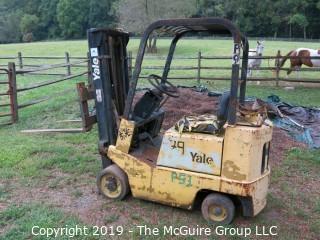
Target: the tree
pixel 136 15
pixel 210 8
pixel 9 27
pixel 101 14
pixel 48 26
pixel 301 21
pixel 43 19
pixel 72 17
pixel 28 24
pixel 241 12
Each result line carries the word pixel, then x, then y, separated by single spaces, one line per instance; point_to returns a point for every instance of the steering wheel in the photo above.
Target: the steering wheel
pixel 166 88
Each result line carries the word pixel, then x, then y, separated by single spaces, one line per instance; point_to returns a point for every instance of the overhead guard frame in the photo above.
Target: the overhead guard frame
pixel 180 27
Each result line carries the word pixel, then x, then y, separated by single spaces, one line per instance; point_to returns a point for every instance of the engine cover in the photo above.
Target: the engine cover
pixel 197 152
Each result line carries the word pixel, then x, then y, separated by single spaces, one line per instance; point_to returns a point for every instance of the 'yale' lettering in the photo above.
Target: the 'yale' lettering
pixel 95 68
pixel 201 158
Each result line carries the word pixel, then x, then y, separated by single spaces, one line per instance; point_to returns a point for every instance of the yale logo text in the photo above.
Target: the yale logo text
pixel 201 158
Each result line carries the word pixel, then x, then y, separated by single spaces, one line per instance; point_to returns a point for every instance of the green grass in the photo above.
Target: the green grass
pixel 20 220
pixel 298 182
pixel 317 207
pixel 311 157
pixel 185 47
pixel 50 165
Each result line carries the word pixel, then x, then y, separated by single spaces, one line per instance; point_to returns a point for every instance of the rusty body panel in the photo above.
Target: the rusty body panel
pixel 177 186
pixel 85 94
pixel 125 135
pixel 242 153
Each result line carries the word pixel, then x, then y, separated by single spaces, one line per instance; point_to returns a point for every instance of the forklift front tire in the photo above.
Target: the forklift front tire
pixel 218 209
pixel 113 182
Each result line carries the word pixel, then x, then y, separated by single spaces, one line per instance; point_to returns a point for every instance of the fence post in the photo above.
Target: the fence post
pixel 68 67
pixel 13 91
pixel 130 65
pixel 199 68
pixel 277 65
pixel 20 60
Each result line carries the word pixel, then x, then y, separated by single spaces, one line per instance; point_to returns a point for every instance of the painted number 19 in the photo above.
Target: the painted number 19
pixel 181 178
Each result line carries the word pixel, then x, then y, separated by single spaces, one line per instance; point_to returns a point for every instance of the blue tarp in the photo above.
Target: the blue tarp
pixel 302 123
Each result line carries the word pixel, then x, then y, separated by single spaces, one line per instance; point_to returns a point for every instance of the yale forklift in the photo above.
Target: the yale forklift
pixel 220 160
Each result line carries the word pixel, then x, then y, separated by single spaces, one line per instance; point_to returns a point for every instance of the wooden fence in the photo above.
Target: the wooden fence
pixel 22 66
pixel 11 72
pixel 21 62
pixel 274 68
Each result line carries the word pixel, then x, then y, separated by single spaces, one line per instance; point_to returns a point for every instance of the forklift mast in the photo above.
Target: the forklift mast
pixel 109 74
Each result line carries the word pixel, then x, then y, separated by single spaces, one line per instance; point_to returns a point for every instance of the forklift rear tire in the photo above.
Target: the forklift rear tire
pixel 113 182
pixel 218 209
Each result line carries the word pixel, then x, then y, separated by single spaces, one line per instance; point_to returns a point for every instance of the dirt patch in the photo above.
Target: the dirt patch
pixel 190 102
pixel 77 197
pixel 281 142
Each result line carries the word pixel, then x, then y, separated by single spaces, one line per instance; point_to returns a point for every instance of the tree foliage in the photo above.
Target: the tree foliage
pixel 101 13
pixel 28 23
pixel 73 17
pixel 48 26
pixel 10 27
pixel 46 19
pixel 136 15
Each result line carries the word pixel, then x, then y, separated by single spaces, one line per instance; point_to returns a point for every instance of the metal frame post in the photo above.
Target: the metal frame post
pixel 130 65
pixel 244 68
pixel 169 58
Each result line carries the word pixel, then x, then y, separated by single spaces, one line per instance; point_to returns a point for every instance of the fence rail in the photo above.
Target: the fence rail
pixel 15 69
pixel 199 67
pixel 21 63
pixel 22 66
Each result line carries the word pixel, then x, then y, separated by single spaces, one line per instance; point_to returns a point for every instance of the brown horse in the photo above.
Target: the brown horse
pixel 301 56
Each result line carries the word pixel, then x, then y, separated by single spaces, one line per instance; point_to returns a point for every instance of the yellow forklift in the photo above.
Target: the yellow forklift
pixel 220 160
